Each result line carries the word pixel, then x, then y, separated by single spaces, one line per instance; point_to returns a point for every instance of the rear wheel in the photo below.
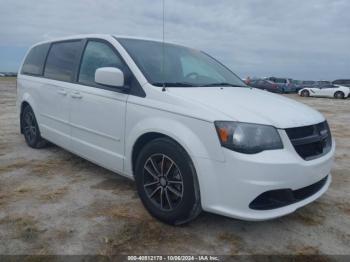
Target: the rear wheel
pixel 167 182
pixel 305 93
pixel 339 95
pixel 31 129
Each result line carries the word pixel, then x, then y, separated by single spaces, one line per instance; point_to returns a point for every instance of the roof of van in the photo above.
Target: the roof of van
pixel 102 36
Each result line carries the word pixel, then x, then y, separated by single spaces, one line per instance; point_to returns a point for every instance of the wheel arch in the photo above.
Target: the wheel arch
pixel 24 103
pixel 339 92
pixel 142 141
pixel 149 136
pixel 148 130
pixel 305 90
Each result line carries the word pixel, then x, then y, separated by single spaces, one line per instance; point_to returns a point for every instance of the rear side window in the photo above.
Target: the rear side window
pixel 97 55
pixel 62 60
pixel 34 62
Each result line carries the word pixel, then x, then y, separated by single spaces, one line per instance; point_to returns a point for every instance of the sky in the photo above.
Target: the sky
pixel 295 38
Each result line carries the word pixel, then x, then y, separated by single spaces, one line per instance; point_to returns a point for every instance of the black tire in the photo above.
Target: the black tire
pixel 31 130
pixel 168 178
pixel 339 95
pixel 305 93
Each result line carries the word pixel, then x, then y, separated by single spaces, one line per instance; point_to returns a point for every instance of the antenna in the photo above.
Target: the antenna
pixel 163 47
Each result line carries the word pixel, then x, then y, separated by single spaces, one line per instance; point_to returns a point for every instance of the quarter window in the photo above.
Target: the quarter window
pixel 34 62
pixel 97 55
pixel 62 60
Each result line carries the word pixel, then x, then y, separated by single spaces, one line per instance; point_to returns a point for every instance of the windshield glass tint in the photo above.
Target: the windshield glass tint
pixel 182 66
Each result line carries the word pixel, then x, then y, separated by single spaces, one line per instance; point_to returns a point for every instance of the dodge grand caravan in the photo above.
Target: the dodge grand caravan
pixel 190 133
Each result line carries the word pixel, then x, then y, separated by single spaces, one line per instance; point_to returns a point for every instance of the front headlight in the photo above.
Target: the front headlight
pixel 248 138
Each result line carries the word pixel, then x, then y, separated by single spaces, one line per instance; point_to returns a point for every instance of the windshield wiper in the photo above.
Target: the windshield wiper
pixel 186 84
pixel 222 84
pixel 174 84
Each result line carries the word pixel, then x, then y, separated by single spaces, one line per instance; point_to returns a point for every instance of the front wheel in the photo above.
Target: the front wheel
pixel 339 95
pixel 305 93
pixel 167 182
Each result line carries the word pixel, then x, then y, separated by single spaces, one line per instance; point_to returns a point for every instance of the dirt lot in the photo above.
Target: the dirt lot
pixel 52 202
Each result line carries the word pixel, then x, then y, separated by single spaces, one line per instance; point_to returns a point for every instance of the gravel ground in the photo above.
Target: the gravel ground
pixel 52 202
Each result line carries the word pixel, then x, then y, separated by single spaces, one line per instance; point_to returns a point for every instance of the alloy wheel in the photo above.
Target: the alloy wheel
pixel 29 126
pixel 305 93
pixel 163 182
pixel 339 95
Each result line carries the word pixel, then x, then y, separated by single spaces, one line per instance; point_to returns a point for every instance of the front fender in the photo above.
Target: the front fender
pixel 197 137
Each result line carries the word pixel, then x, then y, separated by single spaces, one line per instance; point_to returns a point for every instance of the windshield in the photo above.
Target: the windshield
pixel 183 67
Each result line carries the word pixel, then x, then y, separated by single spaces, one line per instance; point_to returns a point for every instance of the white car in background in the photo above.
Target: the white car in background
pixel 336 91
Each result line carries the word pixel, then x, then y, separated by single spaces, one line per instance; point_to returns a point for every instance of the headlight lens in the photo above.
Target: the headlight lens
pixel 248 138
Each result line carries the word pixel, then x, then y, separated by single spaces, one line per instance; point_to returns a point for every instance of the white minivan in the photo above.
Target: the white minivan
pixel 190 133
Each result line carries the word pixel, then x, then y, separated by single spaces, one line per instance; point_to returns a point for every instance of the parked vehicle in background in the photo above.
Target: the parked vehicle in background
pixel 306 83
pixel 342 82
pixel 284 84
pixel 298 84
pixel 265 85
pixel 336 91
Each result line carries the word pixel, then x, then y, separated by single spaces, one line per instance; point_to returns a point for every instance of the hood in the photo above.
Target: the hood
pixel 251 105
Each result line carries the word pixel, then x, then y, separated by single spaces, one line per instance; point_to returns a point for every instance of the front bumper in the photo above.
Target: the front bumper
pixel 228 187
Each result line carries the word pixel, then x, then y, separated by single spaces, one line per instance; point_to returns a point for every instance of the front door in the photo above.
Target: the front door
pixel 327 91
pixel 97 113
